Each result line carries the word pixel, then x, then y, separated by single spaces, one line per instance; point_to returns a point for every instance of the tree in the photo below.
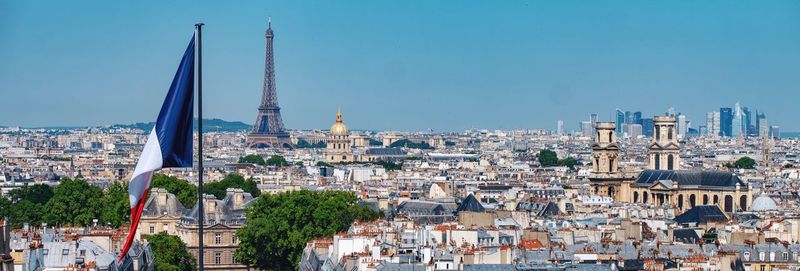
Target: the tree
pixel 408 144
pixel 170 253
pixel 182 189
pixel 277 161
pixel 547 158
pixel 252 159
pixel 568 162
pixel 323 164
pixel 74 202
pixel 302 144
pixel 116 205
pixel 745 163
pixel 278 226
pixel 25 204
pixel 219 188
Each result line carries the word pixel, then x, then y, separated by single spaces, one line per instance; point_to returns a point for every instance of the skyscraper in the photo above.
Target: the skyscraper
pixel 268 130
pixel 712 123
pixel 620 121
pixel 736 123
pixel 747 122
pixel 775 132
pixel 594 119
pixel 763 128
pixel 637 117
pixel 586 128
pixel 560 127
pixel 725 121
pixel 647 127
pixel 682 125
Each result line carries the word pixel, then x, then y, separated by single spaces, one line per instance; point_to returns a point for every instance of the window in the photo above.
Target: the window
pixel 152 229
pixel 217 258
pixel 233 239
pixel 165 228
pixel 217 238
pixel 761 256
pixel 65 251
pixel 786 256
pixel 83 252
pixel 45 251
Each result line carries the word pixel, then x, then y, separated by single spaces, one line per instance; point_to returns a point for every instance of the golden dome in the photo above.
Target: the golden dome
pixel 339 128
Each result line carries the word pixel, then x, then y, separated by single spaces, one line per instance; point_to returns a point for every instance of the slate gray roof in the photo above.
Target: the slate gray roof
pixel 470 204
pixel 702 214
pixel 711 179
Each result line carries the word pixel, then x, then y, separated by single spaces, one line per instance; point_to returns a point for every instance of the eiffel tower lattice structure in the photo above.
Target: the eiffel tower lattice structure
pixel 268 130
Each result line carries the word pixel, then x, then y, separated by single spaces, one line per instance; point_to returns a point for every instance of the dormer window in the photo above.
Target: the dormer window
pixel 746 255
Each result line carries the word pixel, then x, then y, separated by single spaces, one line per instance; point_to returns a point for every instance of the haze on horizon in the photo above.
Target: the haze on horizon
pixel 411 65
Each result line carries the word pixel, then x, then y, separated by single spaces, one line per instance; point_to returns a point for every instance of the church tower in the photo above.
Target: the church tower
pixel 606 179
pixel 605 151
pixel 664 151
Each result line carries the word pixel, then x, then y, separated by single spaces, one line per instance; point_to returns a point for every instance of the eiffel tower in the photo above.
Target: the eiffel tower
pixel 268 130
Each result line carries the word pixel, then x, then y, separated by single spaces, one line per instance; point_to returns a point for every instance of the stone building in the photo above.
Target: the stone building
pixel 164 213
pixel 663 183
pixel 605 178
pixel 221 220
pixel 339 143
pixel 664 151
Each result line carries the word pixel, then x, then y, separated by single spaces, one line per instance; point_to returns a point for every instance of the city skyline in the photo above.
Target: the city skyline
pixel 409 66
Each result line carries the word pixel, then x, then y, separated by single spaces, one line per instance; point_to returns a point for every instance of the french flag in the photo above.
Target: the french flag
pixel 170 141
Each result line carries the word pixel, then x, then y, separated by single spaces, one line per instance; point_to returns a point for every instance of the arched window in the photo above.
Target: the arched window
pixel 611 136
pixel 658 133
pixel 705 199
pixel 611 192
pixel 611 165
pixel 669 133
pixel 644 197
pixel 635 197
pixel 743 203
pixel 692 200
pixel 716 199
pixel 658 161
pixel 728 203
pixel 680 201
pixel 670 162
pixel 597 164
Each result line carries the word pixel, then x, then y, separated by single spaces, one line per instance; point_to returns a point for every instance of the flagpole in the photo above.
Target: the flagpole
pixel 200 213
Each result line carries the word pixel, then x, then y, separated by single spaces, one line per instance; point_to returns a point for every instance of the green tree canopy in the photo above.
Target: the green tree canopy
pixel 745 163
pixel 231 181
pixel 277 161
pixel 170 253
pixel 74 202
pixel 408 144
pixel 252 159
pixel 568 162
pixel 278 226
pixel 182 189
pixel 116 205
pixel 547 158
pixel 302 144
pixel 323 164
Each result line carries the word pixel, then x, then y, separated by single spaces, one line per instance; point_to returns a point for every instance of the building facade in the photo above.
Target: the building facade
pixel 339 143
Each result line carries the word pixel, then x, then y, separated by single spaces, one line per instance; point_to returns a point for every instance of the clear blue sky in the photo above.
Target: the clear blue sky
pixel 403 65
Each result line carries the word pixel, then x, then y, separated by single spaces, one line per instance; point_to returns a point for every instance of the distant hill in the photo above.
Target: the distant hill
pixel 209 125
